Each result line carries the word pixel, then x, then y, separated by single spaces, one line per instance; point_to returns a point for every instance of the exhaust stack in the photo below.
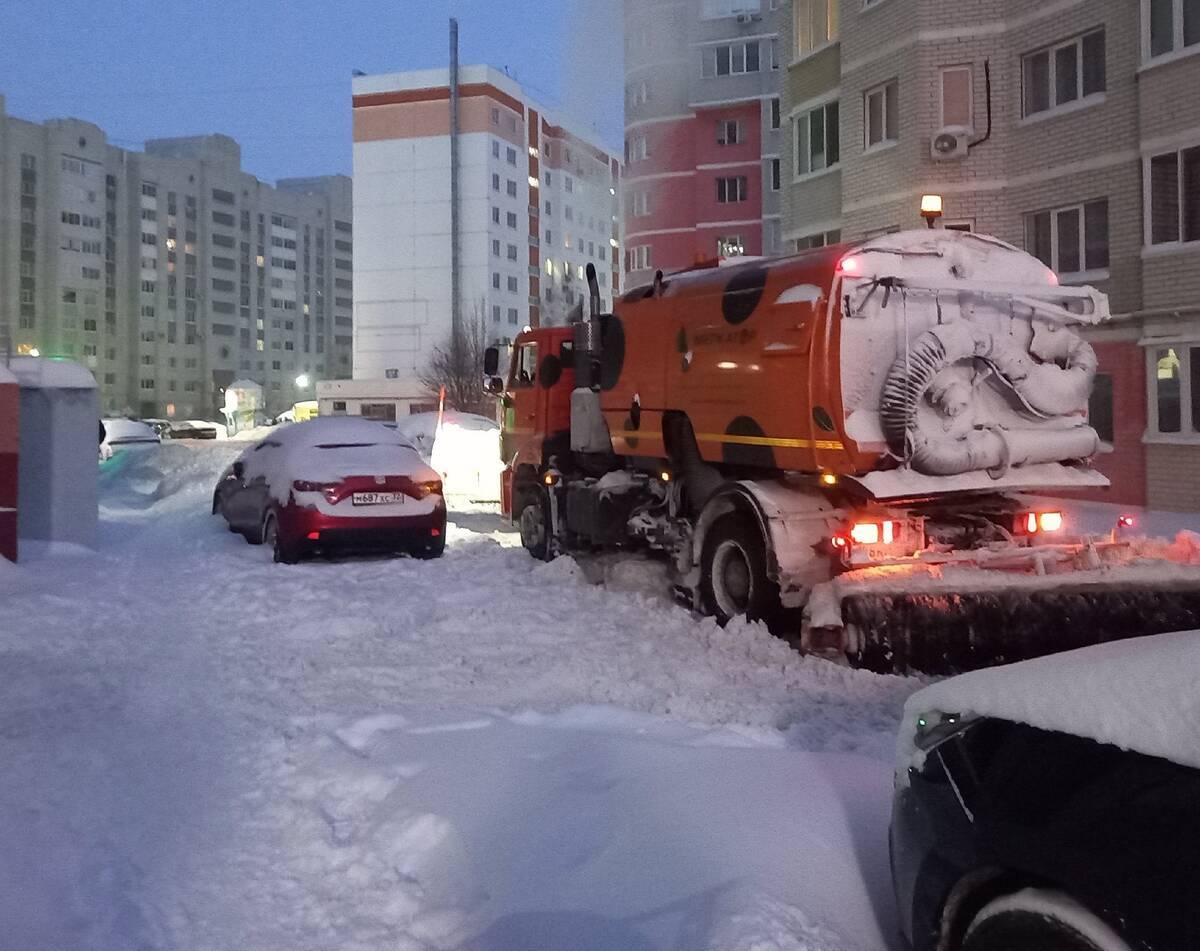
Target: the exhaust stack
pixel 589 432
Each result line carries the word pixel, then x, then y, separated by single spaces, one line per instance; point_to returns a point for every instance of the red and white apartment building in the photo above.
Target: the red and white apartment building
pixel 537 202
pixel 702 132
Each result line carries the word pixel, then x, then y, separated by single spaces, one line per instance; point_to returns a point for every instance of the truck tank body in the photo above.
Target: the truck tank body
pixel 922 362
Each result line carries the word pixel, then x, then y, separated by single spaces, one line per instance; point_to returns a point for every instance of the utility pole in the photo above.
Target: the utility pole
pixel 455 289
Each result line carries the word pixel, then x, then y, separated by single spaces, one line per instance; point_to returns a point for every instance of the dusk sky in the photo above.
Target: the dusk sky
pixel 275 75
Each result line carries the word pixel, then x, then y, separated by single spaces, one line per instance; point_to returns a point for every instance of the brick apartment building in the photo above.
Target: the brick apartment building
pixel 1070 128
pixel 702 121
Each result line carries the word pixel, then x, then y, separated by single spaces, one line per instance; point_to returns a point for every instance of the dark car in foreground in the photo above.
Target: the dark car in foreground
pixel 333 484
pixel 1054 805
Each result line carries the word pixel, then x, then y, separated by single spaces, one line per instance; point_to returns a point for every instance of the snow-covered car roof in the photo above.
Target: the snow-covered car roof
pixel 1137 694
pixel 120 430
pixel 335 430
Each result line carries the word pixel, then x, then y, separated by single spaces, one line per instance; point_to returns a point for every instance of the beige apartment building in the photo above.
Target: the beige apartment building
pixel 171 272
pixel 1068 127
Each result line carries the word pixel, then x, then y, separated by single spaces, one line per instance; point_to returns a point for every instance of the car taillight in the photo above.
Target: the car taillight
pixel 872 533
pixel 301 485
pixel 429 487
pixel 1125 521
pixel 1035 523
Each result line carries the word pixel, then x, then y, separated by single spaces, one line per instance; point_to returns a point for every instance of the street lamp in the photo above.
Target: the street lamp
pixel 302 381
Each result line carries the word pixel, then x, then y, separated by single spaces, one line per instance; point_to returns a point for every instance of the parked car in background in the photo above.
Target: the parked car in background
pixel 330 484
pixel 1054 805
pixel 197 429
pixel 160 426
pixel 123 434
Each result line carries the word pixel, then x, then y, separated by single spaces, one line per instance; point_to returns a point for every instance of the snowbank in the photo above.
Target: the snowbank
pixel 1137 694
pixel 206 750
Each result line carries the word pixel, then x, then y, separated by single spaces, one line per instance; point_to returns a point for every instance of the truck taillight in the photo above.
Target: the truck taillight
pixel 872 533
pixel 1035 523
pixel 849 265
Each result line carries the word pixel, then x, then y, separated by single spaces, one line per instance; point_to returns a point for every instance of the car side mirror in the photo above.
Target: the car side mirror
pixel 491 360
pixel 239 469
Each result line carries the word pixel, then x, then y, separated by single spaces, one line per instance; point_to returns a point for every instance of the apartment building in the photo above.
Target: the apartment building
pixel 537 202
pixel 702 131
pixel 170 272
pixel 1071 129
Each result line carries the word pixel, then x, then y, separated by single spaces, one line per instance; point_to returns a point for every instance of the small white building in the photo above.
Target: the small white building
pixel 59 446
pixel 382 399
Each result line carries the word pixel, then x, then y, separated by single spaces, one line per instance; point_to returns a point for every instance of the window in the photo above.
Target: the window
pixel 525 367
pixel 1172 25
pixel 496 280
pixel 495 149
pixel 511 188
pixel 729 132
pixel 957 100
pixel 729 247
pixel 636 149
pixel 732 189
pixel 1064 74
pixel 819 240
pixel 149 189
pixel 512 252
pixel 1100 407
pixel 776 117
pixel 639 258
pixel 816 24
pixel 1070 240
pixel 1174 377
pixel 512 219
pixel 496 248
pixel 641 204
pixel 774 170
pixel 495 182
pixel 881 106
pixel 1174 211
pixel 496 313
pixel 818 139
pixel 637 94
pixel 512 315
pixel 730 60
pixel 512 284
pixel 511 156
pixel 495 215
pixel 716 9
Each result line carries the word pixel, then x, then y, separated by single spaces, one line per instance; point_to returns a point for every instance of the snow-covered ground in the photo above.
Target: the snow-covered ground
pixel 204 750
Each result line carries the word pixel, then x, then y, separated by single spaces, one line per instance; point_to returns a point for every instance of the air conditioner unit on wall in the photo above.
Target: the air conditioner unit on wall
pixel 747 17
pixel 949 145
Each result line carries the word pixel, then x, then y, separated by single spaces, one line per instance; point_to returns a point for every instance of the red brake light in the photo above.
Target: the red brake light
pixel 314 536
pixel 1126 521
pixel 865 533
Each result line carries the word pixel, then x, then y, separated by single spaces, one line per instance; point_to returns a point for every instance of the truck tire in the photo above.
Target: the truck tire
pixel 733 564
pixel 1036 920
pixel 534 522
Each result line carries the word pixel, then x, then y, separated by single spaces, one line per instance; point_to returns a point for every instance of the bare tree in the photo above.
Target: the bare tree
pixel 457 364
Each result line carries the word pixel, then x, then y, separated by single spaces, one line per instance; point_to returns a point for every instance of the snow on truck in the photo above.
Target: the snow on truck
pixel 854 444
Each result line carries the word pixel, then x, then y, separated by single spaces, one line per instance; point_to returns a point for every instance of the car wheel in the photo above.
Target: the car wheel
pixel 1039 920
pixel 282 552
pixel 734 572
pixel 534 523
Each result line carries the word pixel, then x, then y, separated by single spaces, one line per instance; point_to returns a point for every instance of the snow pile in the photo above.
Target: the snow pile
pixel 1137 694
pixel 206 750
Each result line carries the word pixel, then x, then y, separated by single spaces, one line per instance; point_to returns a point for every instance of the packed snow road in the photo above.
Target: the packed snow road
pixel 206 750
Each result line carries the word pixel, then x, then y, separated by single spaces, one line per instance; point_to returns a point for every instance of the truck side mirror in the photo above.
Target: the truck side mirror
pixel 491 360
pixel 494 385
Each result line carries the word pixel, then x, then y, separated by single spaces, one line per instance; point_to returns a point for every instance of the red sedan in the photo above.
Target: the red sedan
pixel 335 483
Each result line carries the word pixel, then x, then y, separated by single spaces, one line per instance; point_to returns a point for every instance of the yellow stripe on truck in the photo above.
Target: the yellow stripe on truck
pixel 830 444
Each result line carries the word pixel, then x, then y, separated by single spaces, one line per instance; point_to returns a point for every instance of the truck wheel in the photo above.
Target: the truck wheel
pixel 1035 920
pixel 734 572
pixel 535 523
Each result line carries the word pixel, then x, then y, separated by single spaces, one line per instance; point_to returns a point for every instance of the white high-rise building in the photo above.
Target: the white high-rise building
pixel 537 203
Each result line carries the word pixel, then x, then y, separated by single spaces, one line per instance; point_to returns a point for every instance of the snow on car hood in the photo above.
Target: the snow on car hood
pixel 1137 694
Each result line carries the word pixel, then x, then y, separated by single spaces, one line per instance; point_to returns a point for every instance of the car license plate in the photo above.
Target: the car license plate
pixel 377 498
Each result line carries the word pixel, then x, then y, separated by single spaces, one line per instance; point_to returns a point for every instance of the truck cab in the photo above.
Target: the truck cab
pixel 536 400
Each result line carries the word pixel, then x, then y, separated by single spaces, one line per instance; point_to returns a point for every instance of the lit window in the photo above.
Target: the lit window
pixel 816 24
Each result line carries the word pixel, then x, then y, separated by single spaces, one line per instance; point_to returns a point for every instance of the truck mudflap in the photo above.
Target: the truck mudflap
pixel 950 619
